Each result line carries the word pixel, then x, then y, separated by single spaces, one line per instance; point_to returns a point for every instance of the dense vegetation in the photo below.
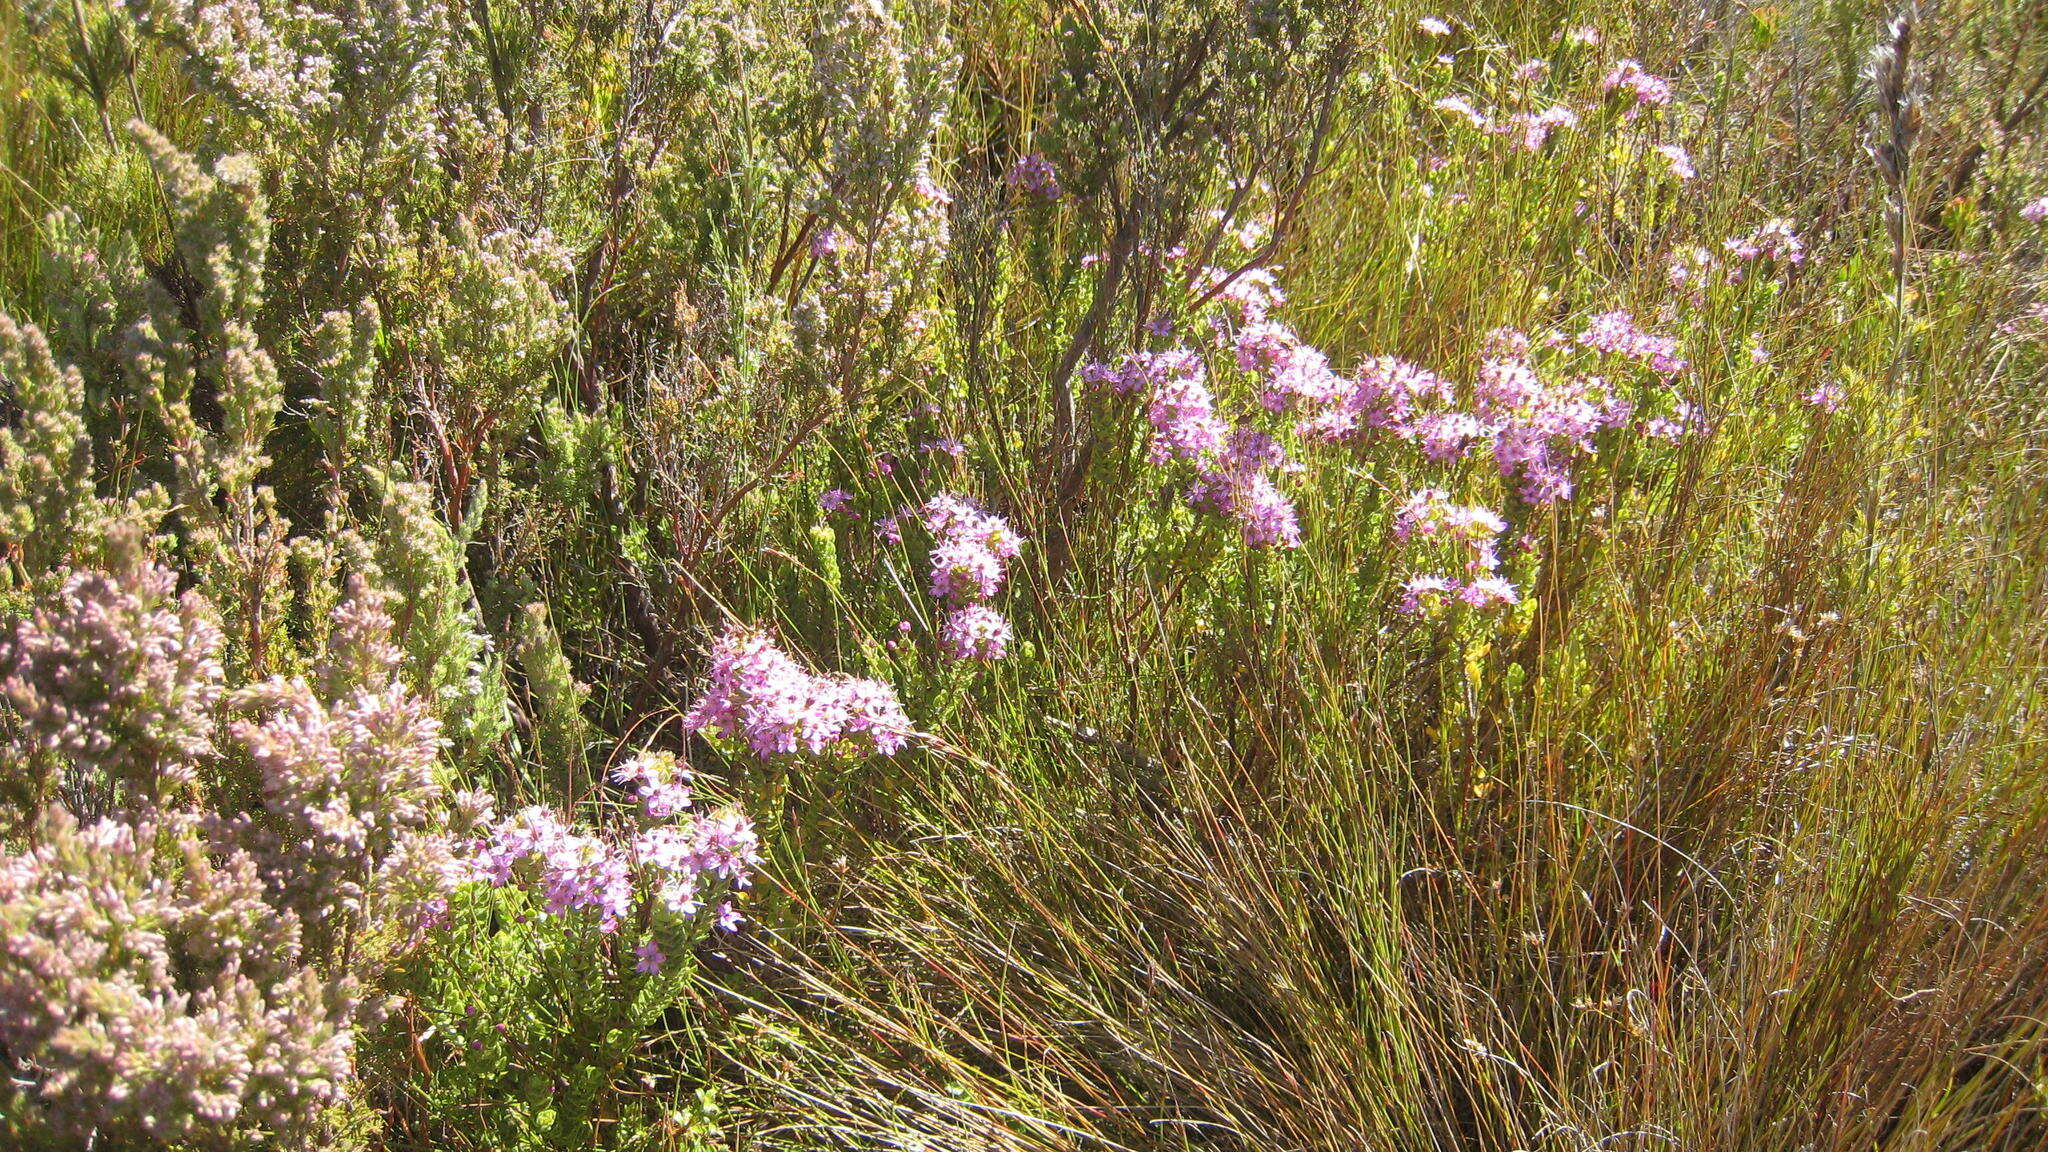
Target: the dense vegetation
pixel 1186 574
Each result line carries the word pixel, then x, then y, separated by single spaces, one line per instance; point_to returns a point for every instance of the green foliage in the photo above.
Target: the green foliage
pixel 547 325
pixel 561 736
pixel 410 549
pixel 526 1045
pixel 349 408
pixel 45 463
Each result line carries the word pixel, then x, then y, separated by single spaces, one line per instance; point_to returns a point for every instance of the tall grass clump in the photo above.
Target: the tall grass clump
pixel 1185 574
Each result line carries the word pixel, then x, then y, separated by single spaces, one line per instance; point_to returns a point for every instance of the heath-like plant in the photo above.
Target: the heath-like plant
pixel 193 929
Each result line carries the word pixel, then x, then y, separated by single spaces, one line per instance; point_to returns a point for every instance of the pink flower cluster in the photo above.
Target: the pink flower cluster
pixel 1459 106
pixel 1139 373
pixel 1541 422
pixel 1533 422
pixel 1033 175
pixel 1238 483
pixel 1392 395
pixel 971 547
pixel 1534 124
pixel 1252 292
pixel 975 632
pixel 1432 514
pixel 1679 160
pixel 1692 268
pixel 1616 333
pixel 1647 89
pixel 1428 595
pixel 1826 396
pixel 1234 462
pixel 759 694
pixel 1535 128
pixel 1287 369
pixel 571 871
pixel 1182 412
pixel 672 856
pixel 1773 240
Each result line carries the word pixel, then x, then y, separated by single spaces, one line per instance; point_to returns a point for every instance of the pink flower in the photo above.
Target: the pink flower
pixel 1681 164
pixel 1673 427
pixel 1488 591
pixel 976 632
pixel 1459 106
pixel 1238 484
pixel 1253 291
pixel 1537 126
pixel 1433 26
pixel 1425 594
pixel 967 562
pixel 1185 426
pixel 1033 175
pixel 1384 395
pixel 757 693
pixel 967 570
pixel 2035 211
pixel 1430 512
pixel 650 958
pixel 1648 89
pixel 1140 372
pixel 1616 333
pixel 1827 396
pixel 1773 240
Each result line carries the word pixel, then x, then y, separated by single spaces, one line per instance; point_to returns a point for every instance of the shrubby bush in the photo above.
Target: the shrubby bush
pixel 194 926
pixel 1275 575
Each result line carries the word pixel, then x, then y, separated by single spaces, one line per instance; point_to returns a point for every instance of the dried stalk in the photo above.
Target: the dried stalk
pixel 1895 124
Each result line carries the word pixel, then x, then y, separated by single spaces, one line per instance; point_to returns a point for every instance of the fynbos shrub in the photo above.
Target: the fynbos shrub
pixel 183 967
pixel 112 687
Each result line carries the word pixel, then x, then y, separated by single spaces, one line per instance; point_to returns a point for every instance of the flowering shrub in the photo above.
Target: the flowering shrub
pixel 760 695
pixel 968 554
pixel 1566 451
pixel 155 992
pixel 113 686
pixel 177 972
pixel 354 827
pixel 666 866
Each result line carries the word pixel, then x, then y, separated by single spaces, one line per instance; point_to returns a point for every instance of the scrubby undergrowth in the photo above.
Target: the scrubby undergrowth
pixel 1189 574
